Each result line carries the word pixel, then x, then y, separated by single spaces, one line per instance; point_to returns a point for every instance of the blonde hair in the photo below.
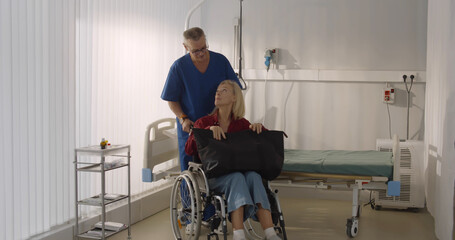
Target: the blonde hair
pixel 238 108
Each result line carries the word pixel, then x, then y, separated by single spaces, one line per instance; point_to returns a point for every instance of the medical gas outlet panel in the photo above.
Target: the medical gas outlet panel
pixel 388 95
pixel 271 58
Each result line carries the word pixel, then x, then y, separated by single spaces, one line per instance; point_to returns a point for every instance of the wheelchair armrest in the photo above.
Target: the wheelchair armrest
pixel 195 164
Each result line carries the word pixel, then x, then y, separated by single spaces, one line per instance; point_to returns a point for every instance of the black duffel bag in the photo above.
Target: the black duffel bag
pixel 240 152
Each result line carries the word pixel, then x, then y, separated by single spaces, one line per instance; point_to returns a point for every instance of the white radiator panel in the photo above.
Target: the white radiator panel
pixel 411 176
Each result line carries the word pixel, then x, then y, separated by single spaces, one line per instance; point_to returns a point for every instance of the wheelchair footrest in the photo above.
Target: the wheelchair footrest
pixel 210 235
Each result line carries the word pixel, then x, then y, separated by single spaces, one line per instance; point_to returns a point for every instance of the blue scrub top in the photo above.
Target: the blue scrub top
pixel 195 90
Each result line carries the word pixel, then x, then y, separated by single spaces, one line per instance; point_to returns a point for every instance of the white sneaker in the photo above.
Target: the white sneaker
pixel 239 235
pixel 274 237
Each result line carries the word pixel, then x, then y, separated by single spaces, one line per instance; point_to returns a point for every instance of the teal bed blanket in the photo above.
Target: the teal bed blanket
pixel 364 163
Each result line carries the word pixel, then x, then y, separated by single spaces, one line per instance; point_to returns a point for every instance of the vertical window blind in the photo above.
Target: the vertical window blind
pixel 73 72
pixel 37 59
pixel 124 52
pixel 439 117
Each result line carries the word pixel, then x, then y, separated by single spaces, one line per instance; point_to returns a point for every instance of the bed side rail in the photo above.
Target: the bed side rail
pixel 159 148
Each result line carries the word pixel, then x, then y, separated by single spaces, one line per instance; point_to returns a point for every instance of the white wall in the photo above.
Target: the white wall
pixel 324 34
pixel 360 35
pixel 335 115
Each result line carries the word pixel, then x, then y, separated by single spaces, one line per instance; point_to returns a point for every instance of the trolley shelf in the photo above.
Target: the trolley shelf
pixel 108 151
pixel 96 167
pixel 96 200
pixel 107 233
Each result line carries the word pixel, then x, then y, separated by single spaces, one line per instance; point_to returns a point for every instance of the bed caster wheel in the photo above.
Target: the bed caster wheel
pixel 352 227
pixel 377 207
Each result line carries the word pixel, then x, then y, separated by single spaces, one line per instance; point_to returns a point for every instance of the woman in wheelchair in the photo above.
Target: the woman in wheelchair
pixel 245 192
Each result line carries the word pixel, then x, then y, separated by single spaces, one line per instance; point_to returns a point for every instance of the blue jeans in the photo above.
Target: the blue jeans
pixel 242 189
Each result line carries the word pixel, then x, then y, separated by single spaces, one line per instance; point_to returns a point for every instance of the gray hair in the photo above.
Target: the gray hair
pixel 193 34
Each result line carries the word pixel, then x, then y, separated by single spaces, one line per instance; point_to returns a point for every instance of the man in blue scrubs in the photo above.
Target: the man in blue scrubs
pixel 191 85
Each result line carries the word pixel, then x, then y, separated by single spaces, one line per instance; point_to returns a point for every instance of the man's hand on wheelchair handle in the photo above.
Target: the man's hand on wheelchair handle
pixel 187 125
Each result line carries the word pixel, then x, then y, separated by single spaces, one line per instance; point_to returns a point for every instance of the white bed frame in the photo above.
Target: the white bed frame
pixel 161 155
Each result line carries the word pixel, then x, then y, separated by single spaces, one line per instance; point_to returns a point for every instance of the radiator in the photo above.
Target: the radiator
pixel 412 193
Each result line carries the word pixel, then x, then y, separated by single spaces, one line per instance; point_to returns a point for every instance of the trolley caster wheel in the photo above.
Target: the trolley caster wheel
pixel 352 227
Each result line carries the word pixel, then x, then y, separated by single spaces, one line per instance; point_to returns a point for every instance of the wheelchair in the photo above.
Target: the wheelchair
pixel 191 194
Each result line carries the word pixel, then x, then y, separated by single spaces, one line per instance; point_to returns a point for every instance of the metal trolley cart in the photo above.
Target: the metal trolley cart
pixel 102 230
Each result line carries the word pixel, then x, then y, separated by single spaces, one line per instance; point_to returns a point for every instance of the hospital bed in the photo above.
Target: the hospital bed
pixel 337 169
pixel 331 169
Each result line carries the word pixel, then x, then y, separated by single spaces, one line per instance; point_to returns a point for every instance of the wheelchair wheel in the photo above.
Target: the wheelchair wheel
pixel 253 229
pixel 185 207
pixel 277 214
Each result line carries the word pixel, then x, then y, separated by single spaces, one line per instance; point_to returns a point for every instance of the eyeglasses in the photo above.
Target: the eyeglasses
pixel 197 51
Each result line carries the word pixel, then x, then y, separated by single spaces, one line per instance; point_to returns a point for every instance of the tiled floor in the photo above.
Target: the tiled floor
pixel 317 219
